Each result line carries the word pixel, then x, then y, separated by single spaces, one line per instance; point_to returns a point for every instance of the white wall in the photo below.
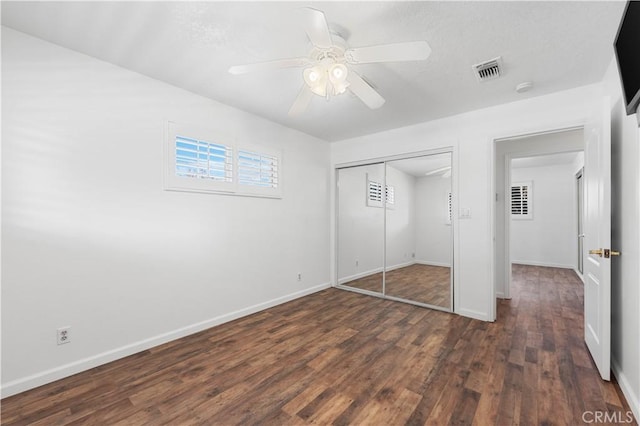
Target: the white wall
pixel 92 241
pixel 471 135
pixel 433 233
pixel 625 237
pixel 549 238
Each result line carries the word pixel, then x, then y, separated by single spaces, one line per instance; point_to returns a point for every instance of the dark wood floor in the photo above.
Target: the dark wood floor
pixel 339 357
pixel 420 283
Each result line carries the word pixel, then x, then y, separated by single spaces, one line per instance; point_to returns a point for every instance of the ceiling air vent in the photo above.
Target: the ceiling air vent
pixel 488 70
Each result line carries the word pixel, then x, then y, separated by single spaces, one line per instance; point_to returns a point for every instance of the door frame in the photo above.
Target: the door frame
pixel 579 180
pixel 501 262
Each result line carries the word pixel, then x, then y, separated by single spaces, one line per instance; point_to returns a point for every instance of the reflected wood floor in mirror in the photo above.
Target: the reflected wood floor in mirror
pixel 339 357
pixel 421 283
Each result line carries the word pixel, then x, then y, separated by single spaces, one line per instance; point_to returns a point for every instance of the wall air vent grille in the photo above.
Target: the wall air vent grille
pixel 489 70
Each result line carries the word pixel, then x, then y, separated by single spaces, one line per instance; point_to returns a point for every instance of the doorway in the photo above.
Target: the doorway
pixel 543 210
pixel 534 146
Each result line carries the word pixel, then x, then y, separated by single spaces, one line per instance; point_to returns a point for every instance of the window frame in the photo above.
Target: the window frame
pixel 173 182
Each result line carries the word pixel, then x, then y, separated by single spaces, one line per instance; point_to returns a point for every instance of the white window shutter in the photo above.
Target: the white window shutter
pixel 521 200
pixel 256 169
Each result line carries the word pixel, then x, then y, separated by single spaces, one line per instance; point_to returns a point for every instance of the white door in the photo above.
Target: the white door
pixel 597 240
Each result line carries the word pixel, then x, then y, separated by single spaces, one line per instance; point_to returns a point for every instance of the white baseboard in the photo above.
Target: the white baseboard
pixel 373 272
pixel 629 394
pixel 359 275
pixel 51 375
pixel 430 263
pixel 482 316
pixel 400 265
pixel 546 264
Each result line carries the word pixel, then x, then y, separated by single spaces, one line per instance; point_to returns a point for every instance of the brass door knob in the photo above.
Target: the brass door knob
pixel 604 252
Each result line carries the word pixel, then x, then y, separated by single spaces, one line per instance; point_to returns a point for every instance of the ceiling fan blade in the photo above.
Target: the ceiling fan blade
pixel 316 27
pixel 395 52
pixel 302 101
pixel 270 65
pixel 364 91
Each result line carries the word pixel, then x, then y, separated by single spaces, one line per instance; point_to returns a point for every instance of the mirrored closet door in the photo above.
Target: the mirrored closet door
pixel 394 233
pixel 418 230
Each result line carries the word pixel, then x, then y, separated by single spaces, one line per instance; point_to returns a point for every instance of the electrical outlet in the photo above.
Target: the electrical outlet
pixel 64 335
pixel 299 276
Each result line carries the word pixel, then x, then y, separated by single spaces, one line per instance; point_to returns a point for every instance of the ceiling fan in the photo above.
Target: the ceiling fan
pixel 327 70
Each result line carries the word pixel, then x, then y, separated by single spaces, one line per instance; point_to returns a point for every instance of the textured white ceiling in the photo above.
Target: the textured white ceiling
pixel 556 45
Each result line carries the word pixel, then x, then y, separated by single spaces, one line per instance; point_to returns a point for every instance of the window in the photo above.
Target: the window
pixel 390 195
pixel 374 193
pixel 255 169
pixel 203 160
pixel 198 160
pixel 521 200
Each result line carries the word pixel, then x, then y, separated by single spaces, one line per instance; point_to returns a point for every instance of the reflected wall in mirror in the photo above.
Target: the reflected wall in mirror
pixel 419 233
pixel 361 227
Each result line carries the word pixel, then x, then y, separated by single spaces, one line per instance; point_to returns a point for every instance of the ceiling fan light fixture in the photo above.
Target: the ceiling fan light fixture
pixel 338 77
pixel 316 79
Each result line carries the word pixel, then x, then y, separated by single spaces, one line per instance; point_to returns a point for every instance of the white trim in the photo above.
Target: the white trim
pixel 370 272
pixel 48 376
pixel 399 266
pixel 430 263
pixel 455 237
pixel 632 399
pixel 359 275
pixel 545 264
pixel 482 316
pixel 382 160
